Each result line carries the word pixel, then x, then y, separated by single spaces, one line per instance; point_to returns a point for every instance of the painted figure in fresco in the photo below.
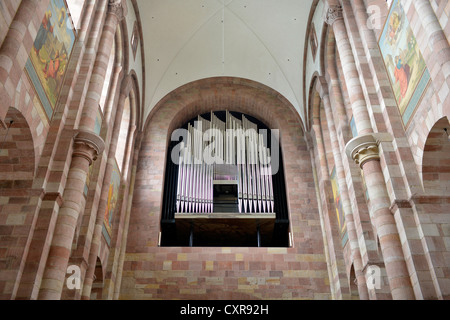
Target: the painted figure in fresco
pixel 45 29
pixel 54 67
pixel 111 204
pixel 403 60
pixel 394 25
pixel 402 75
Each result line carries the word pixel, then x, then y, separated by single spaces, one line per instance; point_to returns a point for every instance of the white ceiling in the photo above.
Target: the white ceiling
pixel 188 40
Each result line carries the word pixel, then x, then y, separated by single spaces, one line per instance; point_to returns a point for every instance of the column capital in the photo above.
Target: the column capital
pixel 88 145
pixel 334 13
pixel 363 149
pixel 115 7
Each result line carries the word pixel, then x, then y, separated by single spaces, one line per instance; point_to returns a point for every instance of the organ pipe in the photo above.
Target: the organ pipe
pixel 240 157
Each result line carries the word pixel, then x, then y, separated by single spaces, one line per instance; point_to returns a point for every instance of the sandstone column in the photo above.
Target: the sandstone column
pixel 87 146
pixel 367 156
pixel 113 17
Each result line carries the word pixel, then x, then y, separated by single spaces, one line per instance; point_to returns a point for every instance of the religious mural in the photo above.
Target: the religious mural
pixel 405 65
pixel 339 210
pixel 111 204
pixel 50 54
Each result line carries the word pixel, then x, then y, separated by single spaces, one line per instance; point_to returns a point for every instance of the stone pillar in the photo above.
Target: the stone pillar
pixel 113 17
pixel 367 156
pixel 358 103
pixel 87 146
pixel 346 203
pixel 364 150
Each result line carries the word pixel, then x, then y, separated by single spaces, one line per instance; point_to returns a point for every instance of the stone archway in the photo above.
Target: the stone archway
pixel 303 264
pixel 436 163
pixel 17 148
pixel 17 169
pixel 434 207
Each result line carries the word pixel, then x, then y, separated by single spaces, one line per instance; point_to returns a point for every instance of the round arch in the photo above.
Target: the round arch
pixel 435 161
pixel 217 94
pixel 177 108
pixel 17 150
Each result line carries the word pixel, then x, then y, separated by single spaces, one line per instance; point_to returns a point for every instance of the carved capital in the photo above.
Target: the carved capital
pixel 366 153
pixel 362 149
pixel 333 14
pixel 88 145
pixel 115 7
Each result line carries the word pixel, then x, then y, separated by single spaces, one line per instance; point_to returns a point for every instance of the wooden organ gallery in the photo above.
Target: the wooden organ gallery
pixel 224 184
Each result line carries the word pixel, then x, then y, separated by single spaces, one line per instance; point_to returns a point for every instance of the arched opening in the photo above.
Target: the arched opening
pixel 16 148
pixel 436 160
pixel 144 229
pixel 434 207
pixel 202 97
pixel 17 166
pixel 224 185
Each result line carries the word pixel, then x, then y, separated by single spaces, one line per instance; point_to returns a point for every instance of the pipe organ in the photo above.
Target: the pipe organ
pixel 224 167
pixel 224 185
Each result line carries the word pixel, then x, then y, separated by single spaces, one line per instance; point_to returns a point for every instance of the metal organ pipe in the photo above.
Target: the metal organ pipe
pixel 235 144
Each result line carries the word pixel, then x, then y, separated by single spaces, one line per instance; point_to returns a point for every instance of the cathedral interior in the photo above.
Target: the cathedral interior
pixel 224 150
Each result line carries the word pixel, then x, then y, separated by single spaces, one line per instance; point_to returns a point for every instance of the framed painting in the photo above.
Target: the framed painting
pixel 404 62
pixel 111 204
pixel 50 54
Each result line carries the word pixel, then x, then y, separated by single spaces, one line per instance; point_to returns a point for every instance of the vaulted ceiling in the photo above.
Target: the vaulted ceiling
pixel 189 40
